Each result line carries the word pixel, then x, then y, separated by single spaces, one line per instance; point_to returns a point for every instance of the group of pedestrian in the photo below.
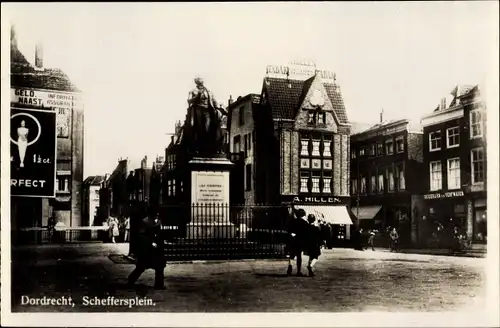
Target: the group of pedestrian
pixel 304 238
pixel 364 239
pixel 116 228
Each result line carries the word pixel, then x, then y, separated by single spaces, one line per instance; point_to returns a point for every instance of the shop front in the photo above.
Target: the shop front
pixel 332 214
pixel 445 210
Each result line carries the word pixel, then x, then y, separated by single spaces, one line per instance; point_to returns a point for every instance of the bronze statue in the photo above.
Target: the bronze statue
pixel 202 133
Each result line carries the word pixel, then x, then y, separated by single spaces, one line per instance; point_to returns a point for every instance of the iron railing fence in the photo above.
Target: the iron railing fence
pixel 221 231
pixel 44 235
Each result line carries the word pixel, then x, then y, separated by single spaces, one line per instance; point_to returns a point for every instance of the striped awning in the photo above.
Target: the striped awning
pixel 366 212
pixel 331 214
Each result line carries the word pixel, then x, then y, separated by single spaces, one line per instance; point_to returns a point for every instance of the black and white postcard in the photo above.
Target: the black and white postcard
pixel 250 164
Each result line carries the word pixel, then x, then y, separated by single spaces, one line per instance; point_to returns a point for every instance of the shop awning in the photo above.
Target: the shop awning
pixel 331 214
pixel 366 212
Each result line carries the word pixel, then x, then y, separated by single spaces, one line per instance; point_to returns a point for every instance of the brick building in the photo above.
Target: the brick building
pixel 295 142
pixel 455 162
pixel 38 87
pixel 386 176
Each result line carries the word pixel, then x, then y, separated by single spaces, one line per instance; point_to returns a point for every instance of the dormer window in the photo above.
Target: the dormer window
pixel 316 117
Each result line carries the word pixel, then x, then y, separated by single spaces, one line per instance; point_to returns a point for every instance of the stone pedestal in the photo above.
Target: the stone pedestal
pixel 210 199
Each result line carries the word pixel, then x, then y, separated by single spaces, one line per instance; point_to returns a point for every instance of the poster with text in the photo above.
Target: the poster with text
pixel 32 152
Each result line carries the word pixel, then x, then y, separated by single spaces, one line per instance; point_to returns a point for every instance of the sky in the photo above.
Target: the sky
pixel 136 62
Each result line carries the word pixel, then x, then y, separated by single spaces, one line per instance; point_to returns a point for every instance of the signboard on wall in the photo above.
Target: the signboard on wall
pixel 448 194
pixel 32 152
pixel 316 200
pixel 46 99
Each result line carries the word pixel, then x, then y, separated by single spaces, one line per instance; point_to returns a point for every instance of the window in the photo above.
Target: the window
pixel 353 153
pixel 236 144
pixel 435 141
pixel 372 150
pixel 304 179
pixel 381 183
pixel 454 173
pixel 169 188
pixel 245 143
pixel 249 141
pixel 304 147
pixel 373 185
pixel 400 176
pixel 354 186
pixel 63 120
pixel 62 184
pixel 315 182
pixel 389 147
pixel 241 115
pixel 327 144
pixel 477 158
pixel 321 118
pixel 390 178
pixel 452 137
pixel 362 151
pixel 316 117
pixel 327 179
pixel 174 190
pixel 248 177
pixel 327 164
pixel 380 149
pixel 400 144
pixel 316 142
pixel 476 124
pixel 436 175
pixel 363 185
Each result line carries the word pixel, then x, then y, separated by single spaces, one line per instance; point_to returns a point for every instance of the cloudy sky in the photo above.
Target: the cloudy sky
pixel 135 62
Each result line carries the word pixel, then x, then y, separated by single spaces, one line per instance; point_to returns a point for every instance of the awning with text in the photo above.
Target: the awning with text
pixel 331 214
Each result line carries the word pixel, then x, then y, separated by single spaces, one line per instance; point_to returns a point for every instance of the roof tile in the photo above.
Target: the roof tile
pixel 286 95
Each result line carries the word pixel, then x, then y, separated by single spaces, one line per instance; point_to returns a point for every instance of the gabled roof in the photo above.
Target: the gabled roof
pixel 94 180
pixel 286 95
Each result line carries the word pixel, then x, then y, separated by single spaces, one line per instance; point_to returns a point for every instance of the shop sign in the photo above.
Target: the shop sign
pixel 448 194
pixel 326 200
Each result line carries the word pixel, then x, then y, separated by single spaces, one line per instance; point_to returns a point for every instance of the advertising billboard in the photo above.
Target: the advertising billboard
pixel 32 152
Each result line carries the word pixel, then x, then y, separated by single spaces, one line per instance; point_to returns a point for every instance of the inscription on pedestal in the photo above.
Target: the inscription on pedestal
pixel 210 196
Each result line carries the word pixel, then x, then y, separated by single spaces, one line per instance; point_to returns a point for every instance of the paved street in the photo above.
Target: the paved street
pixel 346 280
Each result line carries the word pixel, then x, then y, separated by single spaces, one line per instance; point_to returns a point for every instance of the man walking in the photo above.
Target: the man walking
pixel 150 253
pixel 298 227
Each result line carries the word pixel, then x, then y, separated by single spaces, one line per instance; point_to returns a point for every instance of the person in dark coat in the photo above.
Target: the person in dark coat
pixel 313 243
pixel 297 230
pixel 150 251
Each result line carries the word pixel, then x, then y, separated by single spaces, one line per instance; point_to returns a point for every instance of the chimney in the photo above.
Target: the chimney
pixel 382 116
pixel 443 103
pixel 230 101
pixel 39 56
pixel 13 36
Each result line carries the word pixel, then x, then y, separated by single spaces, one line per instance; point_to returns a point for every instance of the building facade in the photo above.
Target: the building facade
pixel 242 141
pixel 91 191
pixel 295 142
pixel 386 177
pixel 37 87
pixel 455 162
